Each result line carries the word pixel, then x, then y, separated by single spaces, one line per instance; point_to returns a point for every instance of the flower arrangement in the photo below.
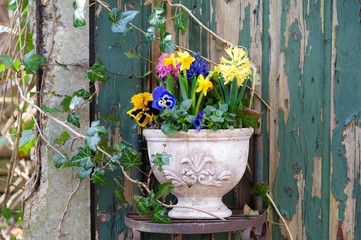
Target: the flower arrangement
pixel 191 96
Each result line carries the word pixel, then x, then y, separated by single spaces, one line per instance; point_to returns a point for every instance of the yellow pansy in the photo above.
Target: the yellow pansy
pixel 141 112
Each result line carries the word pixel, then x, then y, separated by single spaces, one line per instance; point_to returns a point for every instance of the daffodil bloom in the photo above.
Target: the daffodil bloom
pixel 204 85
pixel 142 112
pixel 237 65
pixel 170 61
pixel 185 60
pixel 163 99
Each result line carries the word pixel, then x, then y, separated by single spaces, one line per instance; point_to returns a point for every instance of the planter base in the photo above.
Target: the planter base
pixel 211 205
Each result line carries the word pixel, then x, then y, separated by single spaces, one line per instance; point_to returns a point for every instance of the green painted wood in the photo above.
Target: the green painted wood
pixel 114 99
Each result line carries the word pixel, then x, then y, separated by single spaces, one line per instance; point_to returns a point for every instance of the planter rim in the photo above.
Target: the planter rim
pixel 203 134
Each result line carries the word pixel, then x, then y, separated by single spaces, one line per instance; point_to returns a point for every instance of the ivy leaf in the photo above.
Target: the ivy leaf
pixel 164 190
pixel 157 19
pixel 83 173
pixel 92 141
pixel 82 159
pixel 160 159
pixel 119 192
pixel 149 36
pixel 95 127
pixel 65 103
pixel 181 20
pixel 64 136
pixel 261 189
pixel 160 217
pixel 142 204
pixel 82 93
pixel 48 109
pixel 249 120
pixel 6 60
pixel 125 17
pixel 114 15
pixel 98 176
pixel 75 102
pixel 64 66
pixel 78 16
pixel 27 141
pixel 167 46
pixel 59 160
pixel 130 158
pixel 74 119
pixel 97 73
pixel 7 213
pixel 32 61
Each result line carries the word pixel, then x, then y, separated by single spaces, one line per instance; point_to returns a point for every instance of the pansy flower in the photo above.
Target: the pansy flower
pixel 142 111
pixel 162 99
pixel 197 121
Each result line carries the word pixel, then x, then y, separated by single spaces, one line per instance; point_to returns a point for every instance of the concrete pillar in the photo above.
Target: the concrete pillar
pixel 47 198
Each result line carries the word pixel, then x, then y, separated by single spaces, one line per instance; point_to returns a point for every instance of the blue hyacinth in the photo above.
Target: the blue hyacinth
pixel 199 66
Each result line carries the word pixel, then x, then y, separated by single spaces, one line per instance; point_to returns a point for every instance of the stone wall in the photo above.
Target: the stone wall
pixel 48 213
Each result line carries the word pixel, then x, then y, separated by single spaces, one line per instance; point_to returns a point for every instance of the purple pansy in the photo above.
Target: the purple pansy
pixel 197 121
pixel 199 66
pixel 162 99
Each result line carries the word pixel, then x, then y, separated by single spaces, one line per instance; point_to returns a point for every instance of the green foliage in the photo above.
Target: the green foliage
pixel 218 118
pixel 119 192
pixel 32 61
pixel 27 141
pixel 157 18
pixel 64 136
pixel 98 176
pixel 167 46
pixel 97 73
pixel 180 20
pixel 93 134
pixel 59 160
pixel 160 159
pixel 82 159
pixel 74 119
pixel 78 16
pixel 84 173
pixel 120 19
pixel 149 36
pixel 130 158
pixel 261 189
pixel 48 109
pixel 164 190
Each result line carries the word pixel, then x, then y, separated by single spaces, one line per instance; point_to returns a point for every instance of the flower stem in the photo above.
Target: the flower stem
pixel 200 99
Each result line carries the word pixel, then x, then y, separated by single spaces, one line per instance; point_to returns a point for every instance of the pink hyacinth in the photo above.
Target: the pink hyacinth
pixel 163 71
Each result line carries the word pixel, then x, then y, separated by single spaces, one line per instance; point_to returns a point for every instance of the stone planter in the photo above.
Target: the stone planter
pixel 203 167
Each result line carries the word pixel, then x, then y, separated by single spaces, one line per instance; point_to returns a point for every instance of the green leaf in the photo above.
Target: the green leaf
pixel 180 20
pixel 48 109
pixel 98 176
pixel 121 24
pixel 64 66
pixel 6 60
pixel 17 65
pixel 83 173
pixel 97 73
pixel 75 102
pixel 164 189
pixel 160 159
pixel 159 9
pixel 3 141
pixel 32 61
pixel 7 213
pixel 78 15
pixel 92 141
pixel 119 192
pixel 147 74
pixel 95 127
pixel 130 158
pixel 82 93
pixel 26 137
pixel 157 20
pixel 142 204
pixel 65 103
pixel 74 119
pixel 131 55
pixel 82 159
pixel 114 15
pixel 160 217
pixel 64 136
pixel 167 46
pixel 186 104
pixel 59 160
pixel 250 121
pixel 168 129
pixel 149 36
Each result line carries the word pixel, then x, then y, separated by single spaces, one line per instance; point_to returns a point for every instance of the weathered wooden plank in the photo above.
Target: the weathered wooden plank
pixel 346 89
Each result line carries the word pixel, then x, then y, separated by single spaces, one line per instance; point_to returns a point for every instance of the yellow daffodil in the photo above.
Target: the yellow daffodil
pixel 204 85
pixel 185 60
pixel 237 65
pixel 170 61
